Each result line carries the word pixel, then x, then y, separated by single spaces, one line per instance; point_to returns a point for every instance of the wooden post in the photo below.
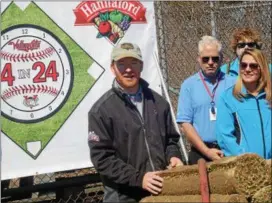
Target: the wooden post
pixel 203 177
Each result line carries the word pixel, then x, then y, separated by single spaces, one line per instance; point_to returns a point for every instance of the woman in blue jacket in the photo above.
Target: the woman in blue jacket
pixel 244 110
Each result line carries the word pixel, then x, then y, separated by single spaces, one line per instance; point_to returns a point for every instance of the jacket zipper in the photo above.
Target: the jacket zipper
pixel 146 143
pixel 261 120
pixel 238 122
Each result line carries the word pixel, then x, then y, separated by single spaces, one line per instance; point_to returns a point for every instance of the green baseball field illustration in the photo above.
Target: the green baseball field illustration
pixel 44 77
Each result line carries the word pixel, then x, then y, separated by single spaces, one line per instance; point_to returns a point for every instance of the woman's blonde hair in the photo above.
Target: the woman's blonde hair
pixel 264 82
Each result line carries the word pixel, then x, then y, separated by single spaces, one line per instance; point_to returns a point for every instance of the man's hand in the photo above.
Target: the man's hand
pixel 152 182
pixel 214 154
pixel 174 161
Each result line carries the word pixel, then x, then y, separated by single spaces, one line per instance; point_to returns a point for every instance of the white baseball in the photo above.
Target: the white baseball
pixel 36 74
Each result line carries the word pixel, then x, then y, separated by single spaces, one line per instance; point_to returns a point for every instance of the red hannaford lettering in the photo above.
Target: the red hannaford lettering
pixel 26 46
pixel 88 10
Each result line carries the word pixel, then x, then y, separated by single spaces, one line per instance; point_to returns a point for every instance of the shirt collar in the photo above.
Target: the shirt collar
pixel 137 97
pixel 117 85
pixel 219 74
pixel 235 65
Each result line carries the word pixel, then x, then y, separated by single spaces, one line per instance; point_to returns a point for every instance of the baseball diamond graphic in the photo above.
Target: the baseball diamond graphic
pixel 42 69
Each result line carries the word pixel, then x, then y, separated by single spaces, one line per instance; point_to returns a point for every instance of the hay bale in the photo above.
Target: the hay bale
pixel 264 195
pixel 195 198
pixel 268 161
pixel 243 174
pixel 269 166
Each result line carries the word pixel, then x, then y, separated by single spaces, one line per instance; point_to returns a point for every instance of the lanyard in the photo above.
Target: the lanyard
pixel 208 90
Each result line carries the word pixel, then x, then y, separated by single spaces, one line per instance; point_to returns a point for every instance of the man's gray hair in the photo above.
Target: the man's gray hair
pixel 209 40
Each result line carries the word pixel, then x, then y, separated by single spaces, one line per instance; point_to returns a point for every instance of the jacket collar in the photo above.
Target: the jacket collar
pixel 244 92
pixel 121 93
pixel 234 66
pixel 235 62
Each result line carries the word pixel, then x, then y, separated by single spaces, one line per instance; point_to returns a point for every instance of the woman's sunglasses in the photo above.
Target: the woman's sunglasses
pixel 249 44
pixel 253 66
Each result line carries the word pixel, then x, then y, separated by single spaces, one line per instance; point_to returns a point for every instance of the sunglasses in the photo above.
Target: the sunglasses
pixel 206 59
pixel 249 44
pixel 252 66
pixel 135 66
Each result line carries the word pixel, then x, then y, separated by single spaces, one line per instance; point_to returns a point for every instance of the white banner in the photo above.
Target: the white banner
pixel 55 63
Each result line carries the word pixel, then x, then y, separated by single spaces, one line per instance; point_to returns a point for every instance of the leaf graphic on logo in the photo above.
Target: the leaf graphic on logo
pixel 99 35
pixel 101 16
pixel 104 16
pixel 126 18
pixel 107 16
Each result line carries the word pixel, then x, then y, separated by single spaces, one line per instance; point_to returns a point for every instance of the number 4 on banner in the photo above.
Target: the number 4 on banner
pixel 52 71
pixel 6 74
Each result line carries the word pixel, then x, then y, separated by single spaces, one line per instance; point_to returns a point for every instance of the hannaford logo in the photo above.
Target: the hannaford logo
pixel 111 18
pixel 36 75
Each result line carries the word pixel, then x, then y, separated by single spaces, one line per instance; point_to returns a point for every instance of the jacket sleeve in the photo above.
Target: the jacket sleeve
pixel 172 138
pixel 103 154
pixel 225 129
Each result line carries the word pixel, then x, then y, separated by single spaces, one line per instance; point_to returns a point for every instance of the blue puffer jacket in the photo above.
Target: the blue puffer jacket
pixel 244 126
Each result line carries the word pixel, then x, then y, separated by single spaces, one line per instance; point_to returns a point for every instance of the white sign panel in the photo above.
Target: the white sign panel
pixel 55 63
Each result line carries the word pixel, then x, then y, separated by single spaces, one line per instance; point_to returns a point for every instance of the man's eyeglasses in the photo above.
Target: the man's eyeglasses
pixel 215 59
pixel 135 66
pixel 252 66
pixel 249 44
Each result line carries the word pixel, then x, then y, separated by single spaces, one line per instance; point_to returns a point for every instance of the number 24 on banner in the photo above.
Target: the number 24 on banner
pixel 41 76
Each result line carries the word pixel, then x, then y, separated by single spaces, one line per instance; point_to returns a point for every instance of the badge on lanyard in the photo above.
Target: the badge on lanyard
pixel 213 109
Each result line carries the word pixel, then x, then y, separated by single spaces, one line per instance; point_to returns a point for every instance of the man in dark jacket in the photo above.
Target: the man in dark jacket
pixel 131 133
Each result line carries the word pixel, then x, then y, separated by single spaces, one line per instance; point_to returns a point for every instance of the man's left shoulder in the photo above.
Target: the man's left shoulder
pixel 157 97
pixel 156 94
pixel 229 78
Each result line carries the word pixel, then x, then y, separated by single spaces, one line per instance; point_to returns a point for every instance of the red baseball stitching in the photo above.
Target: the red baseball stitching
pixel 34 56
pixel 22 89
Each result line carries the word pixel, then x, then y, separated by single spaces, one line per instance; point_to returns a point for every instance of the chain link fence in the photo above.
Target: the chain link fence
pixel 73 186
pixel 180 25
